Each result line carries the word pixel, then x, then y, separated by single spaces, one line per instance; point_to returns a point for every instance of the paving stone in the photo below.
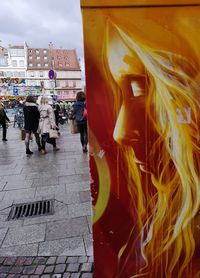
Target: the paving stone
pixel 86 267
pixel 3 275
pixel 45 276
pixel 67 228
pixel 29 269
pixel 2 234
pixel 16 269
pixel 85 196
pixel 10 261
pixel 50 190
pixel 73 178
pixel 83 259
pixel 34 276
pixel 87 275
pixel 63 247
pixel 61 260
pixel 24 276
pixel 49 269
pixel 40 269
pixel 75 275
pixel 51 260
pixel 72 259
pixel 90 259
pixel 66 275
pixel 73 267
pixel 57 276
pixel 2 260
pixel 5 269
pixel 20 250
pixel 60 268
pixel 24 235
pixel 40 260
pixel 77 210
pixel 13 276
pixel 20 261
pixel 29 261
pixel 88 244
pixel 20 194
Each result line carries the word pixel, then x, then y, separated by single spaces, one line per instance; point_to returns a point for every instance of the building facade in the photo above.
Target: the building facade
pixel 25 70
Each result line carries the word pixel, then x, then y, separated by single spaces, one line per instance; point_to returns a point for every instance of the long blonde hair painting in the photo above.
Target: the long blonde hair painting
pixel 143 89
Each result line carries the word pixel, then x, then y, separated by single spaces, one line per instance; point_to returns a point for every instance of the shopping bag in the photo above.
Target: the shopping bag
pixel 23 134
pixel 73 126
pixel 53 133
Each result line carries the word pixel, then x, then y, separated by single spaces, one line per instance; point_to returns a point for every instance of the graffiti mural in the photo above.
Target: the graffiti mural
pixel 143 99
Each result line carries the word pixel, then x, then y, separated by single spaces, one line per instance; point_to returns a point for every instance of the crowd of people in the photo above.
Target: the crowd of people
pixel 41 120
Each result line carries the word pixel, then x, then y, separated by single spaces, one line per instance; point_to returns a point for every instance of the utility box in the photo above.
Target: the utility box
pixel 143 96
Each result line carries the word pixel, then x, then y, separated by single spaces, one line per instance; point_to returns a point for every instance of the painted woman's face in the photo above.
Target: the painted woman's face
pixel 129 74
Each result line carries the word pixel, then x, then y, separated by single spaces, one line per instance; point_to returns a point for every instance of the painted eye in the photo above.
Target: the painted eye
pixel 136 89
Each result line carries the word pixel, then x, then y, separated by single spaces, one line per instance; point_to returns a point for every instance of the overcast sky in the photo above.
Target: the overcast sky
pixel 39 22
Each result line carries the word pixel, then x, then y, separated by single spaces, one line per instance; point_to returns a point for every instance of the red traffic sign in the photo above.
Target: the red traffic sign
pixel 51 74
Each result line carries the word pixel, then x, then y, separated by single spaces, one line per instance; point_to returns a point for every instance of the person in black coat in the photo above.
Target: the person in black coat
pixel 3 119
pixel 31 122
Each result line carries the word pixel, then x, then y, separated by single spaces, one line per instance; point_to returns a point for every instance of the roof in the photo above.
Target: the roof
pixel 65 59
pixel 58 59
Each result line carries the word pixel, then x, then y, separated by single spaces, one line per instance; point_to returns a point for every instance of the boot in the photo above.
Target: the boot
pixel 28 151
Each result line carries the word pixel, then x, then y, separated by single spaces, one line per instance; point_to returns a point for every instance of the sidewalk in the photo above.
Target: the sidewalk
pixel 61 176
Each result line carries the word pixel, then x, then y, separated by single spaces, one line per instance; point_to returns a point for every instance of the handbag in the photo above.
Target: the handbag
pixel 53 133
pixel 23 134
pixel 73 127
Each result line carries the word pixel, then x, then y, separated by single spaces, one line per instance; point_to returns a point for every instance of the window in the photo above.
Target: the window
pixel 30 51
pixel 1 73
pixel 66 83
pixel 21 63
pixel 57 83
pixel 30 57
pixel 46 65
pixel 41 74
pixel 32 74
pixel 45 57
pixel 44 51
pixel 15 73
pixel 39 65
pixel 60 65
pixel 74 83
pixel 38 57
pixel 30 64
pixel 37 51
pixel 22 73
pixel 14 63
pixel 67 64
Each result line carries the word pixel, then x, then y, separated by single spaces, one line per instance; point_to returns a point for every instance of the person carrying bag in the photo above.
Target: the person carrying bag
pixel 47 125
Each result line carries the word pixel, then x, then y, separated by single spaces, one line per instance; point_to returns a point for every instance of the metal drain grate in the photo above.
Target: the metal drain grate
pixel 40 208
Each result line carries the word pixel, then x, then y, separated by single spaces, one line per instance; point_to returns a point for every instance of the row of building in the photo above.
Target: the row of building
pixel 25 70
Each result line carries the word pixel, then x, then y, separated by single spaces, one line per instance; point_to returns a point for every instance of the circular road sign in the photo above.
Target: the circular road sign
pixel 51 74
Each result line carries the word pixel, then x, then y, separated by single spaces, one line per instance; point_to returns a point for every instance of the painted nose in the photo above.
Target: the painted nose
pixel 125 132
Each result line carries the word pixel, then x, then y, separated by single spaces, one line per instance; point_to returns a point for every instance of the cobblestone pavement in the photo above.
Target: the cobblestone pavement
pixel 61 176
pixel 46 267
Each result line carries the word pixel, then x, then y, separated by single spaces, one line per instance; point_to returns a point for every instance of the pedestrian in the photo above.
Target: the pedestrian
pixel 31 122
pixel 56 108
pixel 47 122
pixel 79 111
pixel 3 119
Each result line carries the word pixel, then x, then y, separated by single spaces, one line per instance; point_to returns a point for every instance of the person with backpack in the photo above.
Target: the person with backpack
pixel 80 115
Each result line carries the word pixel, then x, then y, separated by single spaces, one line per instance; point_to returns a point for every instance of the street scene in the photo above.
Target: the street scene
pixel 60 243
